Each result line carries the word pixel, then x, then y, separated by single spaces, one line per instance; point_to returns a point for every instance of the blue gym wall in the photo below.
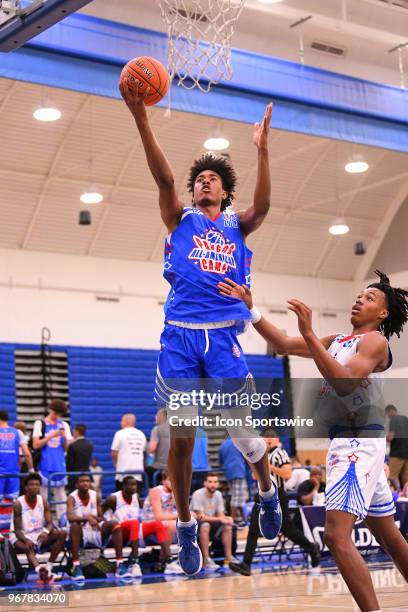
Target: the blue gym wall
pixel 106 383
pixel 86 54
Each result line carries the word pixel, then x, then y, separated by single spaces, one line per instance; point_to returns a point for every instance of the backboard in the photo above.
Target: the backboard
pixel 21 20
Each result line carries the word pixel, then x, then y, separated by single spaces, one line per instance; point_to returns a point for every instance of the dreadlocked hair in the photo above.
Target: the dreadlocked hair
pixel 397 306
pixel 222 166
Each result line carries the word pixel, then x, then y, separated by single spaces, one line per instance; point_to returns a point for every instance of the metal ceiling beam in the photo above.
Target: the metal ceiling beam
pixel 353 197
pixel 108 206
pixel 350 192
pixel 375 244
pixel 49 176
pixel 331 24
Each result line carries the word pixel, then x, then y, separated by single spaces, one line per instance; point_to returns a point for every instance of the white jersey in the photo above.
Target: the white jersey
pixel 167 504
pixel 82 509
pixel 124 511
pixel 359 412
pixel 32 519
pixel 356 482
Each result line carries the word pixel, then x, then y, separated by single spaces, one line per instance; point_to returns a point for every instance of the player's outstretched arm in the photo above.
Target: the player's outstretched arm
pixel 170 206
pixel 372 351
pixel 282 344
pixel 252 218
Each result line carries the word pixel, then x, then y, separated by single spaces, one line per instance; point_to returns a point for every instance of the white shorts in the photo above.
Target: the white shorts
pixel 355 477
pixel 91 537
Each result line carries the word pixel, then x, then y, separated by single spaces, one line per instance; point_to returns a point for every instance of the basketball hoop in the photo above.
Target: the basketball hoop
pixel 200 33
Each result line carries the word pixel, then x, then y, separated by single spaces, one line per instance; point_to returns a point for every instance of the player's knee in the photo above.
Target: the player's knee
pixel 61 535
pixel 392 545
pixel 75 529
pixel 252 448
pixel 329 538
pixel 111 526
pixel 335 539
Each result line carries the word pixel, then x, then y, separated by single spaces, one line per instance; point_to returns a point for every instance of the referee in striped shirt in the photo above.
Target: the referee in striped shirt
pixel 281 470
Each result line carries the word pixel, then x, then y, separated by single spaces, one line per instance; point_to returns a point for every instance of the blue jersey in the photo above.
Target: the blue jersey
pixel 9 447
pixel 53 456
pixel 197 256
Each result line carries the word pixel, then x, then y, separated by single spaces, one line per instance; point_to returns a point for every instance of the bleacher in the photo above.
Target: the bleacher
pixel 104 383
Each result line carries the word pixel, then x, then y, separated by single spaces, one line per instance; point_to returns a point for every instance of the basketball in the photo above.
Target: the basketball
pixel 150 73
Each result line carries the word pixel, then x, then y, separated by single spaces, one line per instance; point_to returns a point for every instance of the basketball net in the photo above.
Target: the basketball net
pixel 199 33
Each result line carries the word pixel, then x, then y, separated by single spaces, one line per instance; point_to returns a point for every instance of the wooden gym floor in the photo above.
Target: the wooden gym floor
pixel 297 590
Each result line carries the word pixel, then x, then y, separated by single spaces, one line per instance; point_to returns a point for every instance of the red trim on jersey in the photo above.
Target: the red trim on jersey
pixel 129 503
pixel 29 504
pixel 356 336
pixel 349 338
pixel 82 501
pixel 217 217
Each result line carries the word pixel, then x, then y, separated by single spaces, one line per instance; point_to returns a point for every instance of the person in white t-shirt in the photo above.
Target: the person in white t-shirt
pixel 128 448
pixel 299 475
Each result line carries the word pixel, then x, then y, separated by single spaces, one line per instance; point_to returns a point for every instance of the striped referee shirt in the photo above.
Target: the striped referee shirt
pixel 278 457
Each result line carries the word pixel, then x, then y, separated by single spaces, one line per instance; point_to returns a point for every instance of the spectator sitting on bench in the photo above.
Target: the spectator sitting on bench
pixel 33 528
pixel 123 506
pixel 208 504
pixel 160 505
pixel 88 529
pixel 309 491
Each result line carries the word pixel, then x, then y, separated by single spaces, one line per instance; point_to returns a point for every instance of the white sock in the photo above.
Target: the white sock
pixel 49 567
pixel 268 494
pixel 188 524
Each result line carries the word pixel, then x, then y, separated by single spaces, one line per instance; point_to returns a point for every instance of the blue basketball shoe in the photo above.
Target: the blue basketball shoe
pixel 270 515
pixel 189 554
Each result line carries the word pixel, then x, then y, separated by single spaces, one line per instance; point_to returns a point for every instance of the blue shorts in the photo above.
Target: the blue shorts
pixel 9 488
pixel 188 357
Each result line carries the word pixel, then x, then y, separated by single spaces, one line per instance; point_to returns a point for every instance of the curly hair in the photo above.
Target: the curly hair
pixel 222 166
pixel 397 306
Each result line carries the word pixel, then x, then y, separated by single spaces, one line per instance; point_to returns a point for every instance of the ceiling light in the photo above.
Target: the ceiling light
pixel 47 113
pixel 339 228
pixel 91 197
pixel 216 144
pixel 356 164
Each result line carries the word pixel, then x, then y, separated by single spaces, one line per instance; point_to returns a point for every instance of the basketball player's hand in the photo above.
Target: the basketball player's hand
pixel 261 130
pixel 230 288
pixel 133 98
pixel 304 315
pixel 42 537
pixel 227 520
pixel 93 522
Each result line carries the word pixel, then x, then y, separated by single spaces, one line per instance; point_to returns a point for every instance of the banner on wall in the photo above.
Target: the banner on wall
pixel 313 519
